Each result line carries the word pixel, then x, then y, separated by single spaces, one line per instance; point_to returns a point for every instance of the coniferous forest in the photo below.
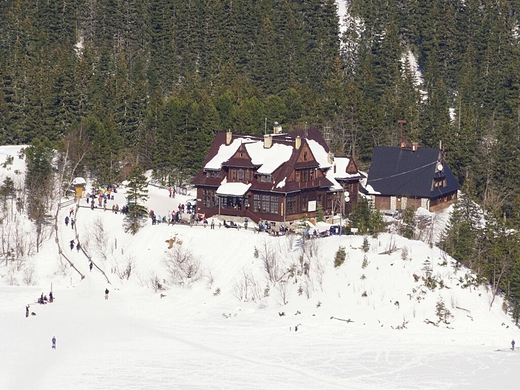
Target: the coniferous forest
pixel 149 82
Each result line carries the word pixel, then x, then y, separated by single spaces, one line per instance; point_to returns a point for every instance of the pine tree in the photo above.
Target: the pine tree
pixel 39 184
pixel 137 194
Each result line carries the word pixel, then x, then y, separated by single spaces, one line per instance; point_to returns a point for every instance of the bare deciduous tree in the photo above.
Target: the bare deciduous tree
pixel 125 270
pixel 247 289
pixel 182 266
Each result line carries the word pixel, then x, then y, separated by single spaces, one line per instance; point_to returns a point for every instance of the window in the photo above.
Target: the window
pixel 305 176
pixel 304 202
pixel 240 174
pixel 209 198
pixel 266 202
pixel 304 156
pixel 275 204
pixel 292 202
pixel 233 174
pixel 439 183
pixel 256 203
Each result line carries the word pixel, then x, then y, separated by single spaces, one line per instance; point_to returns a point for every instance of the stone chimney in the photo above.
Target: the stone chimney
pixel 415 146
pixel 277 129
pixel 229 137
pixel 297 142
pixel 268 141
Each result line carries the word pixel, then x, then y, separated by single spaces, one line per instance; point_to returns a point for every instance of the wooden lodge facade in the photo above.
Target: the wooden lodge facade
pixel 402 177
pixel 280 177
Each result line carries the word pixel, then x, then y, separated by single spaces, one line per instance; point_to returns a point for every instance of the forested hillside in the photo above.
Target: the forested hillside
pixel 151 81
pixel 118 83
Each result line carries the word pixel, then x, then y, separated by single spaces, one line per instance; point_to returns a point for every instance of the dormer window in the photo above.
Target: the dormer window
pixel 304 156
pixel 265 178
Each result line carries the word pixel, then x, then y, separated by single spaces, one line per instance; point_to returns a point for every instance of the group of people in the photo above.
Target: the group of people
pixel 71 220
pixel 42 300
pixel 102 196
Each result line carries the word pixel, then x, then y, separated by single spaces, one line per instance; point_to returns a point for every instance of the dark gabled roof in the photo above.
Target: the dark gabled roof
pixel 398 171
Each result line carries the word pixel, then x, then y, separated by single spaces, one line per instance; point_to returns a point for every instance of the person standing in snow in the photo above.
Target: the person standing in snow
pixel 53 342
pixel 512 345
pixel 78 247
pixel 72 223
pixel 67 220
pixel 71 244
pixel 106 293
pixel 90 266
pixel 27 311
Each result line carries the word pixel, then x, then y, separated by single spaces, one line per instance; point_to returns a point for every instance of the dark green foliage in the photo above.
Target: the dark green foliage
pixel 365 218
pixel 38 177
pixel 137 194
pixel 340 256
pixel 366 244
pixel 407 225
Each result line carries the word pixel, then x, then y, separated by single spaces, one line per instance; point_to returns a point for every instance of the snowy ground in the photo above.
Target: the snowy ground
pixel 360 328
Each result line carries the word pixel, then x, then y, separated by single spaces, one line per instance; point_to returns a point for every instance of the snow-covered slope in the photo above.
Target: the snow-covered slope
pixel 373 322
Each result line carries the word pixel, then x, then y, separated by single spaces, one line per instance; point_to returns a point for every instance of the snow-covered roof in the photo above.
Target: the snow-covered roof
pixel 321 155
pixel 232 189
pixel 79 181
pixel 224 153
pixel 268 159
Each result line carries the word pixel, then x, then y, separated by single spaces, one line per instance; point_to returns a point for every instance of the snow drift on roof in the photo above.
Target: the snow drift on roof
pixel 225 152
pixel 320 154
pixel 233 189
pixel 268 159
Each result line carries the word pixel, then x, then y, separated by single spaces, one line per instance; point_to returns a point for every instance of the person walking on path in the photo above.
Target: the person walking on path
pixel 106 293
pixel 72 223
pixel 53 342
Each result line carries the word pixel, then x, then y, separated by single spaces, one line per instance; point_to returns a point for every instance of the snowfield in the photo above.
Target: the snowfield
pixel 371 323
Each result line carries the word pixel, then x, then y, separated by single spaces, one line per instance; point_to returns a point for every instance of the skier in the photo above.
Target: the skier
pixel 512 345
pixel 53 342
pixel 106 293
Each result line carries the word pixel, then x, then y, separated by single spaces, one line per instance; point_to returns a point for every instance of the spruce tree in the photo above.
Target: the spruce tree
pixel 137 195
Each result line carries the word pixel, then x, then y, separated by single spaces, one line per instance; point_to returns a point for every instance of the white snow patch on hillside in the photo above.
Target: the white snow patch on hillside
pixel 371 323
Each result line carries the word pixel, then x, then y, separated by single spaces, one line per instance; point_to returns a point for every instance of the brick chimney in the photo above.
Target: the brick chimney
pixel 268 141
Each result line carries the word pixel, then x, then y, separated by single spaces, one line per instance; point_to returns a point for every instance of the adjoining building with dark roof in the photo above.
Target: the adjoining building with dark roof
pixel 401 177
pixel 279 177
